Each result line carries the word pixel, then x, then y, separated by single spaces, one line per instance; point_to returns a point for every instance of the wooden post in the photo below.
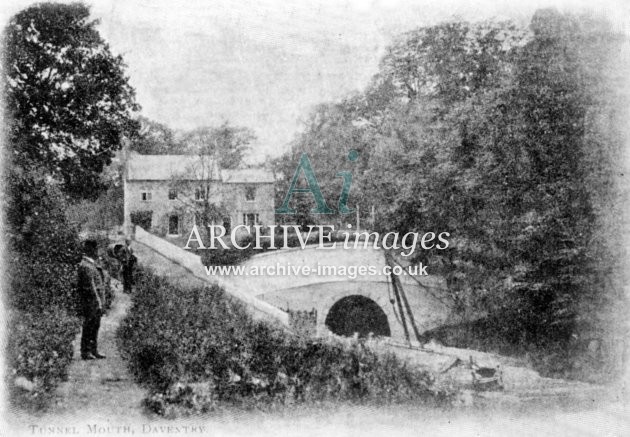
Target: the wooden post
pixel 373 217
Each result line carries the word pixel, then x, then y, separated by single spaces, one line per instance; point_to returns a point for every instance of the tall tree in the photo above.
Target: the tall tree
pixel 227 143
pixel 451 60
pixel 155 139
pixel 553 181
pixel 68 100
pixel 510 141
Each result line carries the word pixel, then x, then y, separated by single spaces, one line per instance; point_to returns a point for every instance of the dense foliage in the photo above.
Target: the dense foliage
pixel 512 141
pixel 155 139
pixel 142 218
pixel 43 251
pixel 204 352
pixel 40 351
pixel 228 143
pixel 68 100
pixel 106 212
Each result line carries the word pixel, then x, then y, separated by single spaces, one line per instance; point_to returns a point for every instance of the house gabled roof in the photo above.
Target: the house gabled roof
pixel 166 167
pixel 189 167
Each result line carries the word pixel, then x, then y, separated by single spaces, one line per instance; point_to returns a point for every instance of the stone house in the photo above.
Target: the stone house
pixel 170 191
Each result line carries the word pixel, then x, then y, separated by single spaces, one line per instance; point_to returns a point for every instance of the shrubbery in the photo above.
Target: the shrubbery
pixel 142 219
pixel 41 266
pixel 225 257
pixel 198 350
pixel 40 350
pixel 106 212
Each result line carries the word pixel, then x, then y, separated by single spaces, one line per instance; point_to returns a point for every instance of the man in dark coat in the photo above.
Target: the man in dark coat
pixel 90 288
pixel 128 261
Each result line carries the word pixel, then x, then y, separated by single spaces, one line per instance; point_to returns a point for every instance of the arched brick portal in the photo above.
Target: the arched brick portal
pixel 357 314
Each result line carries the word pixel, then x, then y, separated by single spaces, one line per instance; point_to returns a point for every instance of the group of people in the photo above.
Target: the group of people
pixel 94 293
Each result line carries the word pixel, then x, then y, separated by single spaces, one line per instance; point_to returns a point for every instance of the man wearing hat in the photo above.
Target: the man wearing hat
pixel 91 300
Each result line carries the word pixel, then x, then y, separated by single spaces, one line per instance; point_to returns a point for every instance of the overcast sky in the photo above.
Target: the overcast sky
pixel 264 64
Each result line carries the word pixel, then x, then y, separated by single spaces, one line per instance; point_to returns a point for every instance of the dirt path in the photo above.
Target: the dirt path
pixel 103 384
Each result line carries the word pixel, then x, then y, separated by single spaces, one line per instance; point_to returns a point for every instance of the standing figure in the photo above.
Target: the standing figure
pixel 102 264
pixel 128 261
pixel 90 288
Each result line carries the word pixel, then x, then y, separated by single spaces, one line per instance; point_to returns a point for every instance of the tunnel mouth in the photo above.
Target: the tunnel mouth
pixel 357 314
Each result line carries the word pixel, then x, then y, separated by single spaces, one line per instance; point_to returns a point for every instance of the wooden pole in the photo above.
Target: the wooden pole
pixel 373 217
pixel 401 311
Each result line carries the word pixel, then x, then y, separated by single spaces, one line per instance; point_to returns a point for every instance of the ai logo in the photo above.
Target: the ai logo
pixel 313 188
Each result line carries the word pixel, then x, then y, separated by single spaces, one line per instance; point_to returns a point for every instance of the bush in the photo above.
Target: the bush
pixel 225 257
pixel 43 251
pixel 204 351
pixel 142 219
pixel 106 212
pixel 40 350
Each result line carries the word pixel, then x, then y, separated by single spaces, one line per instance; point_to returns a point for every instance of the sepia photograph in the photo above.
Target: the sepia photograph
pixel 315 218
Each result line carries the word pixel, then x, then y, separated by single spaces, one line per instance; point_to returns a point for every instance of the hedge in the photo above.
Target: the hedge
pixel 197 350
pixel 41 258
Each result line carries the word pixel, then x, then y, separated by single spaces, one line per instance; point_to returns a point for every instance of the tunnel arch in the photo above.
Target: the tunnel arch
pixel 359 314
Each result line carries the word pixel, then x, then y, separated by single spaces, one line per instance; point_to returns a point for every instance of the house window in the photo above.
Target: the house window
pixel 200 194
pixel 250 219
pixel 250 193
pixel 172 194
pixel 146 196
pixel 173 224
